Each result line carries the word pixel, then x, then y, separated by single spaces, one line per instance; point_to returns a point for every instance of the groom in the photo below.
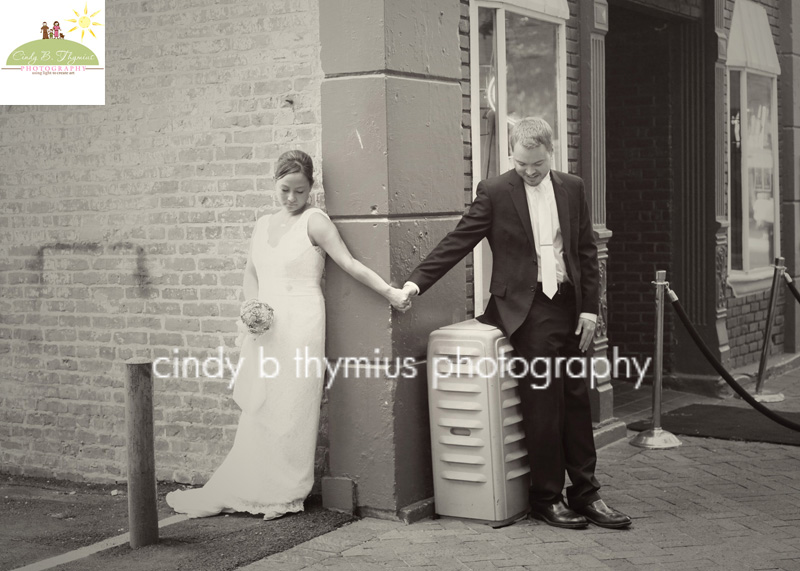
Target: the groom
pixel 545 298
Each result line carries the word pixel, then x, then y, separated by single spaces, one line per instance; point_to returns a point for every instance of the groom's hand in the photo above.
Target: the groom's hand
pixel 410 289
pixel 585 329
pixel 399 299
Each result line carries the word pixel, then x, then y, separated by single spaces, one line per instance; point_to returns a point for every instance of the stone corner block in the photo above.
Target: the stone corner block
pixel 422 37
pixel 354 146
pixel 444 303
pixel 408 36
pixel 339 494
pixel 425 147
pixel 352 36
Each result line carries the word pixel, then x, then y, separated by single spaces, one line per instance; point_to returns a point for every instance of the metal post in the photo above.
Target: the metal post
pixel 761 395
pixel 656 438
pixel 142 514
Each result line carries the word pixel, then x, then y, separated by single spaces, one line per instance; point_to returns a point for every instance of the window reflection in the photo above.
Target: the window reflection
pixel 531 79
pixel 760 168
pixel 735 142
pixel 531 71
pixel 752 147
pixel 488 92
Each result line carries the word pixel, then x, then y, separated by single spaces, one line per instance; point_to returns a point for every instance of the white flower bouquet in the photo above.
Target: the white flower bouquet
pixel 257 316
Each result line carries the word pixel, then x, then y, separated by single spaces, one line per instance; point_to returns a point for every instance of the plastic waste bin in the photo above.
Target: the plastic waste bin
pixel 480 461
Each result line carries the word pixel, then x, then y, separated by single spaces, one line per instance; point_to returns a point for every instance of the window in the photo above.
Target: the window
pixel 518 69
pixel 752 149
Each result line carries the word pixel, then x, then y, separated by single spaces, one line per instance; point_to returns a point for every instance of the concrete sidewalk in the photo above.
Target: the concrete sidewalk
pixel 710 504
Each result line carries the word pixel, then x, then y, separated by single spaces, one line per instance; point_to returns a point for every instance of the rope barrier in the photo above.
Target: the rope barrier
pixel 676 305
pixel 791 286
pixel 778 270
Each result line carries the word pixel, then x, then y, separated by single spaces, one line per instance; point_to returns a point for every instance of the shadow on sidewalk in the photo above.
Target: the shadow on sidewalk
pixel 43 518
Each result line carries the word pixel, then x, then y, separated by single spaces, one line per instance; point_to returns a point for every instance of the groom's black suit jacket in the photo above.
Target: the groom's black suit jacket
pixel 500 213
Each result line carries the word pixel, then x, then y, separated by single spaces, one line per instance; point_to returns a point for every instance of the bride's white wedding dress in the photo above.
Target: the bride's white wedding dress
pixel 270 469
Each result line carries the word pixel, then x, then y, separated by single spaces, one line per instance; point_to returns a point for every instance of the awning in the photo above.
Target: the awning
pixel 751 45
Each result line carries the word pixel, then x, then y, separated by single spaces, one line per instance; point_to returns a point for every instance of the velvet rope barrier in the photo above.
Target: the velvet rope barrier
pixel 791 286
pixel 676 305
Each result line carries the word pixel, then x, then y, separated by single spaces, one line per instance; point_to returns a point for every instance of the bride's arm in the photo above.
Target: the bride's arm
pixel 325 235
pixel 250 276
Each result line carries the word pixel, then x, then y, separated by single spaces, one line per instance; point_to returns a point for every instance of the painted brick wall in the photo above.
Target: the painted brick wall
pixel 123 229
pixel 747 315
pixel 639 167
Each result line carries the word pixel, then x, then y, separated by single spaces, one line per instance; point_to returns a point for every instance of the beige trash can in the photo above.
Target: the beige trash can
pixel 480 462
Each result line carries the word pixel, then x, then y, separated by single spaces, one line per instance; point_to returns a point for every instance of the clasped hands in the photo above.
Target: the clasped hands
pixel 401 298
pixel 401 301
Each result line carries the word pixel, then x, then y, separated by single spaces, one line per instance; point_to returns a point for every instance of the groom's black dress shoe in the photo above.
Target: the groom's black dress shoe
pixel 558 515
pixel 600 514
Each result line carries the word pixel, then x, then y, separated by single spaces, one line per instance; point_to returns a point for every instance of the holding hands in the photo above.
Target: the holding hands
pixel 399 299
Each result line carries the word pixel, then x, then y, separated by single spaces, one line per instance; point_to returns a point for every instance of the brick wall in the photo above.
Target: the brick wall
pixel 123 230
pixel 466 126
pixel 639 183
pixel 573 88
pixel 747 318
pixel 747 315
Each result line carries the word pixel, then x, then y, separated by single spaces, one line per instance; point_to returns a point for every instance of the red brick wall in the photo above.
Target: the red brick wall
pixel 639 179
pixel 124 227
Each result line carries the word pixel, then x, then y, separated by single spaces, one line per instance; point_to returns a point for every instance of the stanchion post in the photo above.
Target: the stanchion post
pixel 142 514
pixel 656 437
pixel 761 395
pixel 658 366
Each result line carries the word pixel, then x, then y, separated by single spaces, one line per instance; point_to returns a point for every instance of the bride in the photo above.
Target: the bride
pixel 270 468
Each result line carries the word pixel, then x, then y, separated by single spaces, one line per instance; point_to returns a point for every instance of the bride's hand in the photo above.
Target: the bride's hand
pixel 241 329
pixel 399 299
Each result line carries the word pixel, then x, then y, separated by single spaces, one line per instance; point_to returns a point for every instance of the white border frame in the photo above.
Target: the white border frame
pixel 747 281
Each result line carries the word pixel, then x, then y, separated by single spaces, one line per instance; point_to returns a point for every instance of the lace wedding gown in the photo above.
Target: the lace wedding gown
pixel 270 469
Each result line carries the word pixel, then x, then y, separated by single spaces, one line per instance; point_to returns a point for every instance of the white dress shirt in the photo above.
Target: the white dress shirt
pixel 543 196
pixel 540 196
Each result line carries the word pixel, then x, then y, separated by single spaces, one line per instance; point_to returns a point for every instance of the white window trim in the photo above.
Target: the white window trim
pixel 745 282
pixel 554 12
pixel 539 8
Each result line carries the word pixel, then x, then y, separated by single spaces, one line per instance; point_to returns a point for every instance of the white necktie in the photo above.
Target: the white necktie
pixel 549 285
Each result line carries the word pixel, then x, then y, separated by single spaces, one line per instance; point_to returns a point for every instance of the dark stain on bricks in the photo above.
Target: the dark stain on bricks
pixel 83 247
pixel 140 274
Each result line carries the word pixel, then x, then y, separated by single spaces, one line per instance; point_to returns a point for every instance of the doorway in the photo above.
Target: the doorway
pixel 641 91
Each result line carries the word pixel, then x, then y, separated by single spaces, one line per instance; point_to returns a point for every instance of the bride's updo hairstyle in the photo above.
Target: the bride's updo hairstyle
pixel 291 162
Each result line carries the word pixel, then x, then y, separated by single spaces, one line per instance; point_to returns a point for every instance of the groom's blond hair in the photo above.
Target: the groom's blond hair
pixel 531 132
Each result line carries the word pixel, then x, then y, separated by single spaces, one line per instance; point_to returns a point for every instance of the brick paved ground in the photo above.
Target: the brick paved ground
pixel 710 504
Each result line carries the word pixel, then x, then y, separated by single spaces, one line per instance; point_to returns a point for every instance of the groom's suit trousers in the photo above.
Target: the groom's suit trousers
pixel 555 403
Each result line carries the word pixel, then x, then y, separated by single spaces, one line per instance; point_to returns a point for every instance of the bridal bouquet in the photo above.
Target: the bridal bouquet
pixel 257 316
